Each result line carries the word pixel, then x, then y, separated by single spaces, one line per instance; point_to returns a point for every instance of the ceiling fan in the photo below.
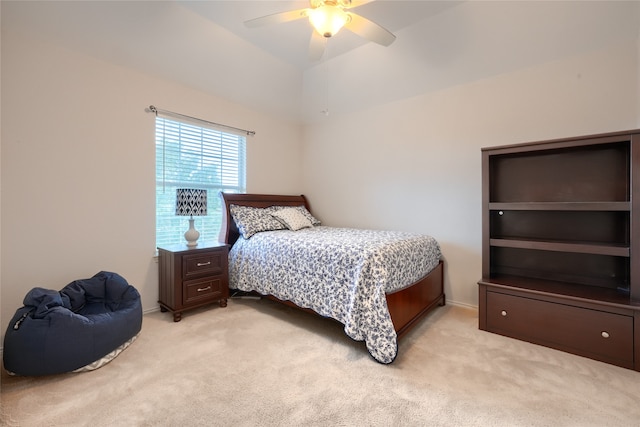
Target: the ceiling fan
pixel 327 18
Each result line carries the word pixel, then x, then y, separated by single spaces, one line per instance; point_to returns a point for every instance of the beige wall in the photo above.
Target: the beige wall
pixel 78 166
pixel 414 164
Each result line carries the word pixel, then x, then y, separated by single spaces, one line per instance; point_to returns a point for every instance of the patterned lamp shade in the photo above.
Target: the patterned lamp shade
pixel 191 202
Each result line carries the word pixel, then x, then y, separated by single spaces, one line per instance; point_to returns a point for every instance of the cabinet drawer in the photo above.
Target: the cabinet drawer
pixel 205 263
pixel 603 336
pixel 198 290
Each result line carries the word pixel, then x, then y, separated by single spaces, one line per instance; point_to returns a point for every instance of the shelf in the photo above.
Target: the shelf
pixel 560 206
pixel 589 294
pixel 578 174
pixel 583 248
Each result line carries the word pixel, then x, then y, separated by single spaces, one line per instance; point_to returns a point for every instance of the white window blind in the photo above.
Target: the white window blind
pixel 190 156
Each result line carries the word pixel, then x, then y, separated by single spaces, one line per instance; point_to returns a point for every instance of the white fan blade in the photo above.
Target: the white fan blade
pixel 369 30
pixel 316 46
pixel 276 18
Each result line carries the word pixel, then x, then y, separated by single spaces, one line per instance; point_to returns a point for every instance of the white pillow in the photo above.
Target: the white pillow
pixel 303 210
pixel 292 218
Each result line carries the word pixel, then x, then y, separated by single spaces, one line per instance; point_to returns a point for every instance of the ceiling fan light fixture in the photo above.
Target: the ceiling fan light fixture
pixel 328 20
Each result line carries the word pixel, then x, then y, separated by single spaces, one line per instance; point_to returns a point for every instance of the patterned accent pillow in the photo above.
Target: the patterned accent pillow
pixel 250 220
pixel 292 218
pixel 303 210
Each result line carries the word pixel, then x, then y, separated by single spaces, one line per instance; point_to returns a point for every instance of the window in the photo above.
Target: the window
pixel 190 156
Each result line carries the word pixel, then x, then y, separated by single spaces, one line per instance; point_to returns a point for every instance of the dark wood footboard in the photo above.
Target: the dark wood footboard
pixel 409 305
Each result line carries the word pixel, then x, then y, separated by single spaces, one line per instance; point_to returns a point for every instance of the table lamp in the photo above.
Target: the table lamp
pixel 190 202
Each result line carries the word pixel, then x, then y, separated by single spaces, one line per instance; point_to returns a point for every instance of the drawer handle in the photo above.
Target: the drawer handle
pixel 208 288
pixel 605 334
pixel 202 264
pixel 504 313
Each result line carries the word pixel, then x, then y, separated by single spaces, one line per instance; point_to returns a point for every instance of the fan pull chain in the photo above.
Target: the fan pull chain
pixel 326 70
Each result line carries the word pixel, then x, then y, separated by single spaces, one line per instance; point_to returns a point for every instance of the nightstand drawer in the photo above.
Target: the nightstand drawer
pixel 197 290
pixel 206 263
pixel 596 334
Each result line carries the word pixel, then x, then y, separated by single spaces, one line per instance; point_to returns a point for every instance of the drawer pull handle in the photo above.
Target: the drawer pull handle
pixel 504 313
pixel 605 334
pixel 204 289
pixel 202 264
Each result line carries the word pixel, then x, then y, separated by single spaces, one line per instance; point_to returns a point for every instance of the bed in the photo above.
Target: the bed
pixel 346 282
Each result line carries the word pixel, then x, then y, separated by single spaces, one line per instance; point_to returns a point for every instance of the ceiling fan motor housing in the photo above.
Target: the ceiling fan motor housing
pixel 341 3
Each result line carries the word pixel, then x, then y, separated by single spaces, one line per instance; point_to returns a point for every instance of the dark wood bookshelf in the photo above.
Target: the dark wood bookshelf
pixel 561 250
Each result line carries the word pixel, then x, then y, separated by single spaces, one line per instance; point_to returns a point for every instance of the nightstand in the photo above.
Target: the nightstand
pixel 192 277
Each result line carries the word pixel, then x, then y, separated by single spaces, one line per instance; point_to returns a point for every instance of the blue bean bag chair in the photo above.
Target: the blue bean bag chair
pixel 81 327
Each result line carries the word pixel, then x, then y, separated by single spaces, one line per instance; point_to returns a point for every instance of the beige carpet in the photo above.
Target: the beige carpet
pixel 260 363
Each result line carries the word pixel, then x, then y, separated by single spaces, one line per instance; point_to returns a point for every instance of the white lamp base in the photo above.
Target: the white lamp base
pixel 192 235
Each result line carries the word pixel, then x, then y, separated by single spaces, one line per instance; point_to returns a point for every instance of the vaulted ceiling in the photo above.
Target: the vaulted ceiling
pixel 290 41
pixel 204 44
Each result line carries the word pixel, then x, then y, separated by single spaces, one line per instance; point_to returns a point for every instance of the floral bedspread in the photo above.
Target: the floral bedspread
pixel 342 273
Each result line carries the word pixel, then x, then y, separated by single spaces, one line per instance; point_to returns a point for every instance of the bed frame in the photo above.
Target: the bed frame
pixel 406 306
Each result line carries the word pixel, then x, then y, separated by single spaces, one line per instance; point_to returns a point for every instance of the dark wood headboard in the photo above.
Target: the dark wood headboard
pixel 229 232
